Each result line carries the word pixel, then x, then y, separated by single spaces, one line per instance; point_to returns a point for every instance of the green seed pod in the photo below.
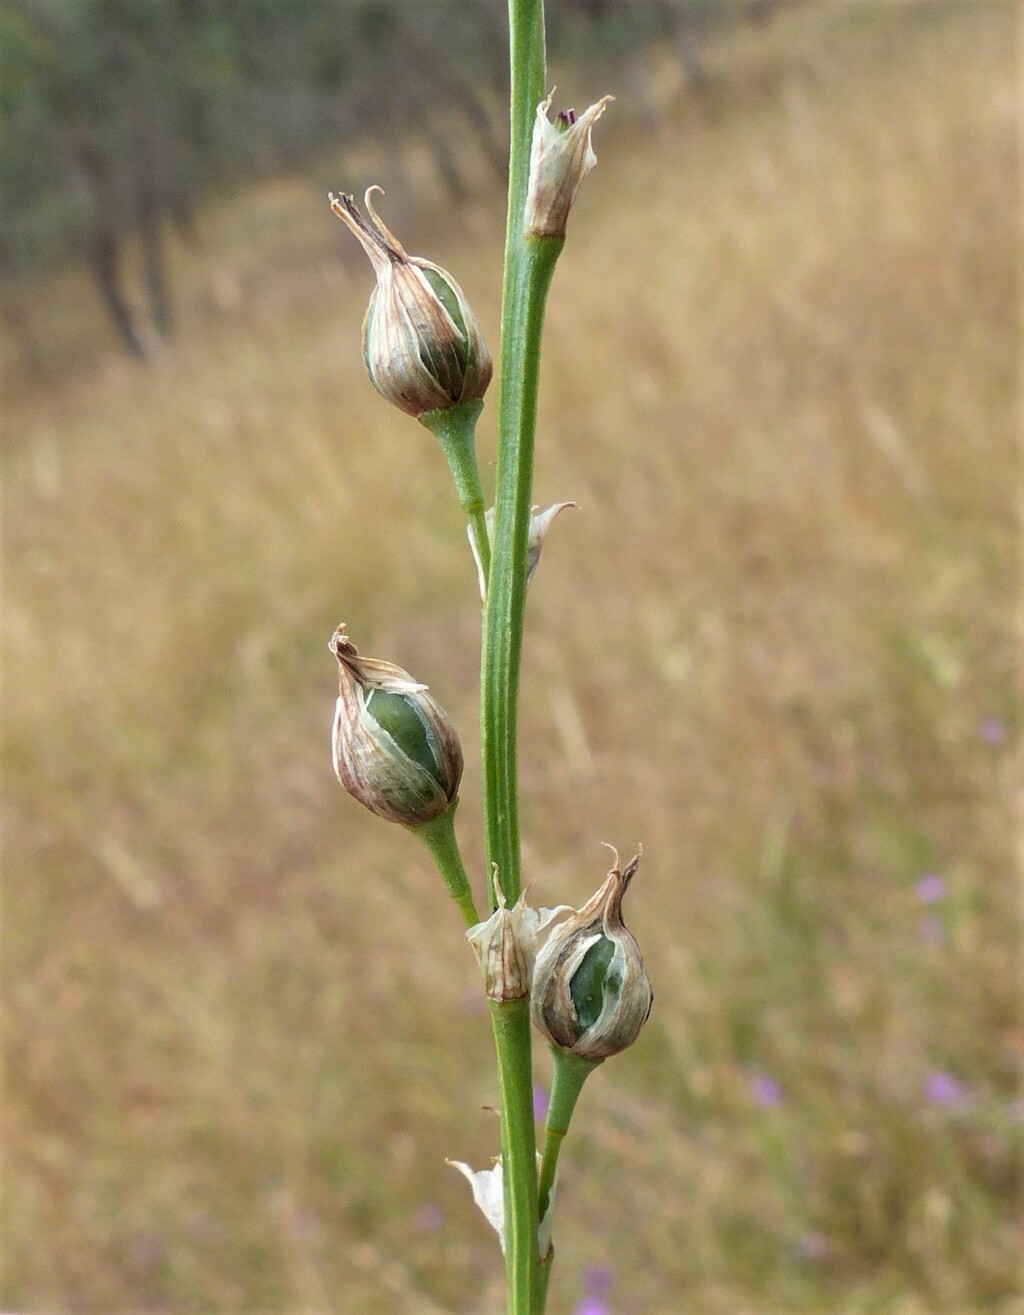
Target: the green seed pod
pixel 422 346
pixel 395 749
pixel 591 993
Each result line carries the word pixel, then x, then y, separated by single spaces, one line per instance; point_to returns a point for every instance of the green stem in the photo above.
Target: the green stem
pixel 528 269
pixel 502 649
pixel 567 1082
pixel 439 837
pixel 455 429
pixel 534 266
pixel 570 1073
pixel 527 276
pixel 510 1023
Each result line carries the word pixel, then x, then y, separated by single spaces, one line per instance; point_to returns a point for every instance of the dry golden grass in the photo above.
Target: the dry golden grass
pixel 776 645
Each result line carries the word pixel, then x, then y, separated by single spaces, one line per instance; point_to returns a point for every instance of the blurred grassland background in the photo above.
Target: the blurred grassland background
pixel 776 645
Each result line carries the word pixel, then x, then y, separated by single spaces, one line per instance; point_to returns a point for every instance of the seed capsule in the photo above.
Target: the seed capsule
pixel 591 993
pixel 395 748
pixel 423 348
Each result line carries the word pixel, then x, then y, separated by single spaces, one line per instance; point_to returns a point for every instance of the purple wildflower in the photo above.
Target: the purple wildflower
pixel 540 1102
pixel 303 1225
pixel 597 1280
pixel 765 1090
pixel 428 1218
pixel 931 888
pixel 992 731
pixel 147 1251
pixel 943 1088
pixel 812 1246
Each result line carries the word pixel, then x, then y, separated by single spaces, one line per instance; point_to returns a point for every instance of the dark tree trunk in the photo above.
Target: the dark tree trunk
pixel 148 178
pixel 104 264
pixel 97 174
pixel 151 234
pixel 14 315
pixel 149 223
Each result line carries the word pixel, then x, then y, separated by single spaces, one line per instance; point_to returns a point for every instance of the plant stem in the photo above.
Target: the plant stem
pixel 510 1024
pixel 506 590
pixel 527 276
pixel 455 429
pixel 570 1073
pixel 526 279
pixel 439 837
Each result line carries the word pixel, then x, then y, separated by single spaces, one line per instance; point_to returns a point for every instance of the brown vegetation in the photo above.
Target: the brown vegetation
pixel 776 645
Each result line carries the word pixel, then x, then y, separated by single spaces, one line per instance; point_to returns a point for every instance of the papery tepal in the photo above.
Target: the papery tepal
pixel 561 156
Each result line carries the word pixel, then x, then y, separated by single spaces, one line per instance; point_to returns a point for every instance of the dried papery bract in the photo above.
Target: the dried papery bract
pixel 488 1189
pixel 488 1192
pixel 395 748
pixel 422 345
pixel 591 993
pixel 561 156
pixel 537 532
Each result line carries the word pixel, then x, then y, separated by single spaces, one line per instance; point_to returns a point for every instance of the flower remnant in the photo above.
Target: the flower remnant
pixel 561 156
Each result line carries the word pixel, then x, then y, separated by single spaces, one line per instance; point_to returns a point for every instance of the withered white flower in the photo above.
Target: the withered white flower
pixel 422 345
pixel 395 748
pixel 505 945
pixel 561 156
pixel 489 1194
pixel 540 523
